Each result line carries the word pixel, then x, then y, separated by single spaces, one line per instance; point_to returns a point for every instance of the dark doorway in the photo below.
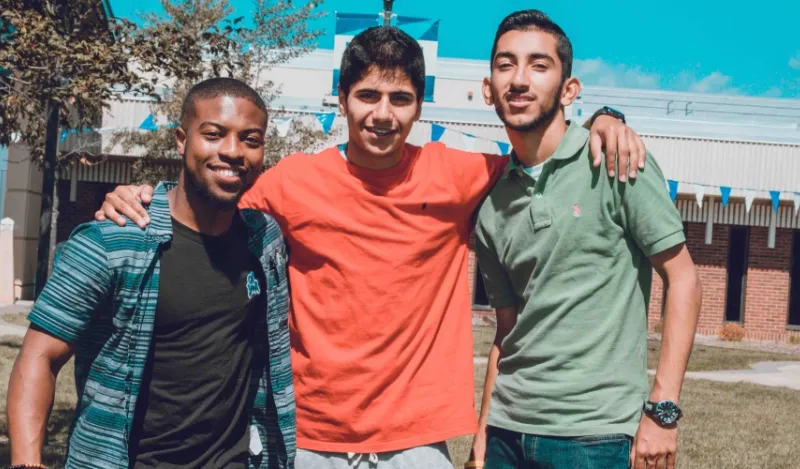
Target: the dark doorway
pixel 737 273
pixel 794 284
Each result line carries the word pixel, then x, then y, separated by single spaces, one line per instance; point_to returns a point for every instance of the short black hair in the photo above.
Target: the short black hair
pixel 388 49
pixel 525 20
pixel 216 87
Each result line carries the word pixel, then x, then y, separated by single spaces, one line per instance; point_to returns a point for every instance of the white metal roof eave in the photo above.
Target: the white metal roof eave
pixel 714 139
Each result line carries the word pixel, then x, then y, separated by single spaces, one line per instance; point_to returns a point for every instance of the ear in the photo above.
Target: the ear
pixel 570 91
pixel 342 102
pixel 488 97
pixel 180 141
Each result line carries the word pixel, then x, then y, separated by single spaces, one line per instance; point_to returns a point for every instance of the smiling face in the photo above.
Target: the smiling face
pixel 380 110
pixel 526 86
pixel 222 144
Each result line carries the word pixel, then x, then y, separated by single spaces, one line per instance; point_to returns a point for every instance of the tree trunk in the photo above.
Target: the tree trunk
pixel 53 227
pixel 49 167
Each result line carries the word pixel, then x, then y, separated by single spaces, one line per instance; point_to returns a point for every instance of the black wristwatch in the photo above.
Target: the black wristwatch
pixel 608 111
pixel 665 413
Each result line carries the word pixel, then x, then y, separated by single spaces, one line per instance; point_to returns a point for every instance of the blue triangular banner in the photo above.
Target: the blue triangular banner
pixel 326 119
pixel 776 199
pixel 63 135
pixel 423 30
pixel 504 147
pixel 149 123
pixel 726 193
pixel 673 189
pixel 436 132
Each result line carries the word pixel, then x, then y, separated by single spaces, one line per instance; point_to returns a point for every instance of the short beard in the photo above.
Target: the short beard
pixel 542 120
pixel 205 194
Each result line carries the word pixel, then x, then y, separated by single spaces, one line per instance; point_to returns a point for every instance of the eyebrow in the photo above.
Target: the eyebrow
pixel 254 129
pixel 532 56
pixel 372 90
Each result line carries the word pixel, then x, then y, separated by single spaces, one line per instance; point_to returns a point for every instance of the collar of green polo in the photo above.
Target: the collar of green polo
pixel 571 144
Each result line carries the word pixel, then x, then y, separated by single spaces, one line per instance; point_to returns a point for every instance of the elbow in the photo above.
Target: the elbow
pixel 685 283
pixel 689 287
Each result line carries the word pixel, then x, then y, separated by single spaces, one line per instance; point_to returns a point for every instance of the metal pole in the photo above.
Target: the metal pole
pixel 387 12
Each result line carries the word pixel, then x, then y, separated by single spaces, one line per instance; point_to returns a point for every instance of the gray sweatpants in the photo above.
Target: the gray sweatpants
pixel 433 456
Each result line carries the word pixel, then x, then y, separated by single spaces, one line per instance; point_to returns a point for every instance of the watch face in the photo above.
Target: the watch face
pixel 667 412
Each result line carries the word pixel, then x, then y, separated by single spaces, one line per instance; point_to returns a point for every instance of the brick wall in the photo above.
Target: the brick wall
pixel 656 303
pixel 767 295
pixel 711 261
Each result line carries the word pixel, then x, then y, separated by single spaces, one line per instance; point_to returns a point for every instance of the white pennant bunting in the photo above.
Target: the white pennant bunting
pixel 699 193
pixel 283 126
pixel 469 142
pixel 796 199
pixel 749 196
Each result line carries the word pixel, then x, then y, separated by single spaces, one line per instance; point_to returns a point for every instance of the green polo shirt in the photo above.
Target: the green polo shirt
pixel 570 250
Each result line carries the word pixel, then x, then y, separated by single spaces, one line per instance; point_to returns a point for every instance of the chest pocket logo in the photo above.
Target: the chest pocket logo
pixel 253 288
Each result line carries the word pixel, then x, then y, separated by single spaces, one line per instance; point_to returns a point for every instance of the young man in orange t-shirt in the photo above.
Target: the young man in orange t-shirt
pixel 378 233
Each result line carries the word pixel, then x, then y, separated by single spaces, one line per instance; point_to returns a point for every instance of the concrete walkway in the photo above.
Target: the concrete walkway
pixel 13 329
pixel 764 373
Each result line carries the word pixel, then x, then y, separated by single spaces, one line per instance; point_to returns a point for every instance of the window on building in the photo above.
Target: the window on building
pixel 737 273
pixel 794 285
pixel 479 297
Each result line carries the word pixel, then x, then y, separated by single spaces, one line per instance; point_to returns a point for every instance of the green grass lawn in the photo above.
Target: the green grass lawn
pixel 726 425
pixel 18 319
pixel 63 405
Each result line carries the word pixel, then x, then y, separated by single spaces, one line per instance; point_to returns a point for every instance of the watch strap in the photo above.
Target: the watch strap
pixel 608 111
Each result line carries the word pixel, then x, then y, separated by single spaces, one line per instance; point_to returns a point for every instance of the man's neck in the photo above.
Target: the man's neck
pixel 363 159
pixel 537 146
pixel 194 211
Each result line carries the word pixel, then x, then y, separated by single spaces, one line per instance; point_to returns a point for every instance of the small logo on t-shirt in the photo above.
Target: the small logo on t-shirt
pixel 576 211
pixel 253 288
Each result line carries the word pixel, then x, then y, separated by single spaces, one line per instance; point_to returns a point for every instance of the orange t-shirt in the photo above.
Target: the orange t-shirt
pixel 380 326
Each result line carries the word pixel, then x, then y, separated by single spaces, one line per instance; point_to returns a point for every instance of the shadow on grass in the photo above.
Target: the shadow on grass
pixel 53 456
pixel 12 342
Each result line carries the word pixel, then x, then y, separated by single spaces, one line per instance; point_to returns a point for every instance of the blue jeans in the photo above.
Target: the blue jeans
pixel 511 450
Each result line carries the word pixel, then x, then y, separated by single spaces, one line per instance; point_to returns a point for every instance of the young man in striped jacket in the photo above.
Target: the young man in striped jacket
pixel 179 331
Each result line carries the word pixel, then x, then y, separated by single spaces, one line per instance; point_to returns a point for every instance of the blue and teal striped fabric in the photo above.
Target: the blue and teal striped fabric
pixel 102 298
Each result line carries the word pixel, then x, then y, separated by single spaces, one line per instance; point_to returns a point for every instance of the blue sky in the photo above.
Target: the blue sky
pixel 709 46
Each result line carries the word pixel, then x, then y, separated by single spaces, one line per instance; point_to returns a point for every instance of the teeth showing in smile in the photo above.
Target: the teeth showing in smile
pixel 381 133
pixel 226 172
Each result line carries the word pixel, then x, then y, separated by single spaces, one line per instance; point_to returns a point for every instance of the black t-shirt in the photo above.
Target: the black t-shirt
pixel 192 410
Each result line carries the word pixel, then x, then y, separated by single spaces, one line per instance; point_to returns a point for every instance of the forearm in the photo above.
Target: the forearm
pixel 488 385
pixel 30 398
pixel 681 313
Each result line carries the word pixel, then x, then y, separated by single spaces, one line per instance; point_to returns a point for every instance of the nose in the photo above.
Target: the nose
pixel 231 148
pixel 383 110
pixel 519 81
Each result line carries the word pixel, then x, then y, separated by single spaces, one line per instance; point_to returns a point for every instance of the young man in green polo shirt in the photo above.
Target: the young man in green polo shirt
pixel 566 254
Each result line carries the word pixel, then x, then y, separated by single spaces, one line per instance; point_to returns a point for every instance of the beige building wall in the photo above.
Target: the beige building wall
pixel 7 264
pixel 22 204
